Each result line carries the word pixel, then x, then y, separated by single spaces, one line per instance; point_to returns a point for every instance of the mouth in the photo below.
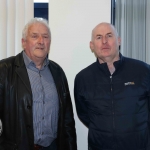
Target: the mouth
pixel 40 48
pixel 105 48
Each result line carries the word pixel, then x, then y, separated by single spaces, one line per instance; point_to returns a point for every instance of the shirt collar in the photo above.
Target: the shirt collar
pixel 28 62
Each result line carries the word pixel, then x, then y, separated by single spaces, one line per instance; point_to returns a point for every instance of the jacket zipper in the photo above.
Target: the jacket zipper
pixel 113 111
pixel 111 88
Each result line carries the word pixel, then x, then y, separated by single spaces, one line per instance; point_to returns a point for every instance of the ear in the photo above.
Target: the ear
pixel 23 43
pixel 91 46
pixel 119 40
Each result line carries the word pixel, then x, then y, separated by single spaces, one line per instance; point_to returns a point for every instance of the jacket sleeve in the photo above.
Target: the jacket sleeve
pixel 69 123
pixel 2 79
pixel 1 123
pixel 149 102
pixel 4 144
pixel 81 106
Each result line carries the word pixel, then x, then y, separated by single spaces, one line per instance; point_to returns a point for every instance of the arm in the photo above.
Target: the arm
pixel 4 143
pixel 69 123
pixel 66 135
pixel 81 107
pixel 1 111
pixel 149 102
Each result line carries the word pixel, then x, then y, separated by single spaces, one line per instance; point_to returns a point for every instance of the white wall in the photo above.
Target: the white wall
pixel 71 22
pixel 41 1
pixel 13 16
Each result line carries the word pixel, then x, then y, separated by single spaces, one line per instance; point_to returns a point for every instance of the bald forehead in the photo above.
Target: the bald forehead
pixel 104 27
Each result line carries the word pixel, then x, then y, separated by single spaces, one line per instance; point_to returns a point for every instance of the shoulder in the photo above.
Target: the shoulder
pixel 136 64
pixel 6 65
pixel 54 65
pixel 7 62
pixel 88 71
pixel 56 69
pixel 12 61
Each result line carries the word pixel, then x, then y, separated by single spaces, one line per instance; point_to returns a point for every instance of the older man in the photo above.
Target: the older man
pixel 112 96
pixel 35 104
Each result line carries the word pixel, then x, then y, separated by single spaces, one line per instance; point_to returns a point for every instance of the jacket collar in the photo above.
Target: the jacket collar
pixel 118 64
pixel 56 73
pixel 22 71
pixel 104 68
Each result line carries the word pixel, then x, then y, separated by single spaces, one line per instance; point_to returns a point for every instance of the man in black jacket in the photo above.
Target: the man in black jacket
pixel 35 104
pixel 112 96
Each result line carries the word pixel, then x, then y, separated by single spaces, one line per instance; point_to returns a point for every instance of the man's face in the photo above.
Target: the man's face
pixel 105 43
pixel 37 42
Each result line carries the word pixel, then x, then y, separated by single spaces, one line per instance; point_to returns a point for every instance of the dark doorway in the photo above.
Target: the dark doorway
pixel 41 10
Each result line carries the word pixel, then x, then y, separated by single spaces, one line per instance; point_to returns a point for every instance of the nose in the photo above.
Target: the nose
pixel 104 40
pixel 40 40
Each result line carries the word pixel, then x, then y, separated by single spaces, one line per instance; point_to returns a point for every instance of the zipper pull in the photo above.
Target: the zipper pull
pixel 111 83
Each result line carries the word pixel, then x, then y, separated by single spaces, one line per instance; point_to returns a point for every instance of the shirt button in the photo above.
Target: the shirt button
pixel 29 107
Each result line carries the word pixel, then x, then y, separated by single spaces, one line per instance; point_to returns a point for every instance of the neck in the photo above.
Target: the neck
pixel 111 68
pixel 39 63
pixel 39 66
pixel 110 62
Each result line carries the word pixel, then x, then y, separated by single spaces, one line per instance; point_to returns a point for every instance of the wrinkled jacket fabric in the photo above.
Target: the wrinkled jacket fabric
pixel 16 107
pixel 115 108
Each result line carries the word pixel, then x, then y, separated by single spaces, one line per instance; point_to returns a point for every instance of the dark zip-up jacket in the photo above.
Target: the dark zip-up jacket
pixel 16 107
pixel 115 108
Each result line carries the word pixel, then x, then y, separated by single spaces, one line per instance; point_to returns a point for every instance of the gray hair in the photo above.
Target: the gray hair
pixel 33 21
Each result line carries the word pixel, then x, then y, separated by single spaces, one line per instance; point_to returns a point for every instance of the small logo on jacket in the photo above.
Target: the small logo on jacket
pixel 1 129
pixel 129 83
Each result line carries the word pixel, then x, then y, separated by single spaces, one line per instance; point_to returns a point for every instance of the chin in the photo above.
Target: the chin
pixel 41 53
pixel 42 56
pixel 107 54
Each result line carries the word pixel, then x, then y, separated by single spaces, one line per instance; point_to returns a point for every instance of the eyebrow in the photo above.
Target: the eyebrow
pixel 34 33
pixel 98 35
pixel 109 33
pixel 106 34
pixel 102 35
